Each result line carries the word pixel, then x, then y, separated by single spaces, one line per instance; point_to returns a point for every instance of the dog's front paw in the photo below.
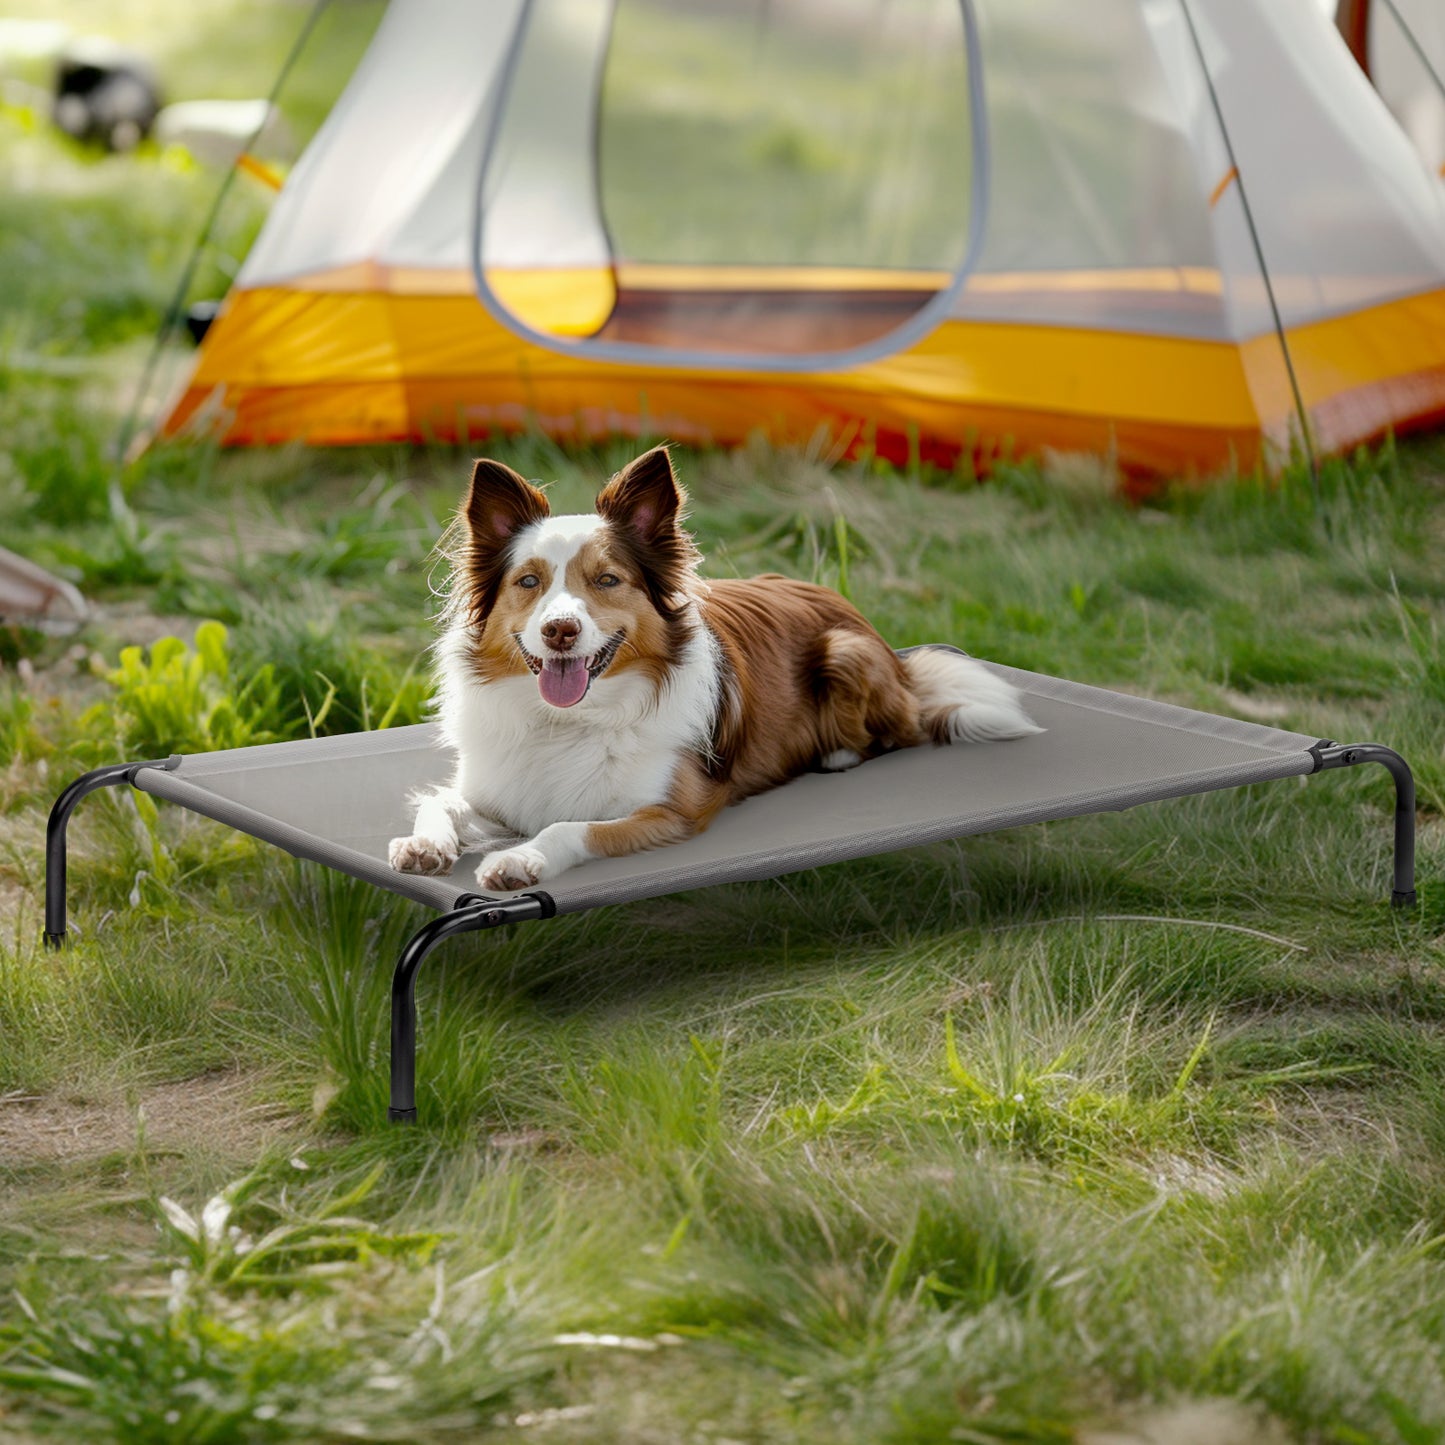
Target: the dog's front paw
pixel 420 855
pixel 509 868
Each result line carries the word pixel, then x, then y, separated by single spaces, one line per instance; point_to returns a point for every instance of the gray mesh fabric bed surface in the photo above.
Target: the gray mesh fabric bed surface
pixel 339 801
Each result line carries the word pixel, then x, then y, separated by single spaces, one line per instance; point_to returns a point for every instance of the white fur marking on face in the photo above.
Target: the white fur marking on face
pixel 557 540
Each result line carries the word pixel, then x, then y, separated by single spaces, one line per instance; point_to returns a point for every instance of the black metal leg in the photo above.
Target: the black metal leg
pixel 473 912
pixel 108 777
pixel 1348 755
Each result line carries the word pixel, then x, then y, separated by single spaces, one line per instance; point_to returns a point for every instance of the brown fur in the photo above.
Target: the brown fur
pixel 810 676
pixel 807 676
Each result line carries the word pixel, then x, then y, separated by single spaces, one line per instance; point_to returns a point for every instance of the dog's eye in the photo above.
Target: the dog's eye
pixel 530 580
pixel 608 580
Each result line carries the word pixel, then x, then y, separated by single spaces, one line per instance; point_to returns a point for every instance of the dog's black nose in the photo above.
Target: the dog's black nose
pixel 561 632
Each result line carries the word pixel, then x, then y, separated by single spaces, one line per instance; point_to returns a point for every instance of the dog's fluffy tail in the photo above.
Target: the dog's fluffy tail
pixel 963 702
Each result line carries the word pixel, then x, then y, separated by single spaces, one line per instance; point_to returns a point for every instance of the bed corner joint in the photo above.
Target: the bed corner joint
pixel 110 776
pixel 472 912
pixel 1329 754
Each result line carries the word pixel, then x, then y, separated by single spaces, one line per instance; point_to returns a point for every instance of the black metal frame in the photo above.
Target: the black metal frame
pixel 475 911
pixel 1329 754
pixel 108 777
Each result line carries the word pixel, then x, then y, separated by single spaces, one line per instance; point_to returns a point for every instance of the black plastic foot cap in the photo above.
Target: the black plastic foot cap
pixel 54 940
pixel 1403 900
pixel 401 1116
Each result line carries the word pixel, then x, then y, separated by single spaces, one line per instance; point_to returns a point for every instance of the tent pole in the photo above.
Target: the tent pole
pixel 1299 404
pixel 172 314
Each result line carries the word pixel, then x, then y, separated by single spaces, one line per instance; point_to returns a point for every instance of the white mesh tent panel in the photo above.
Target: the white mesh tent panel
pixel 845 129
pixel 539 196
pixel 1346 215
pixel 1115 94
pixel 1096 193
pixel 691 137
pixel 390 174
pixel 1407 64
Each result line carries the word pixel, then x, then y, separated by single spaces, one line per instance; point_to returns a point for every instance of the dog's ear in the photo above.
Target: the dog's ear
pixel 643 505
pixel 500 503
pixel 644 500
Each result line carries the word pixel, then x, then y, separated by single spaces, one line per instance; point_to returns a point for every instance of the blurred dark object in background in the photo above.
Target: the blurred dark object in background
pixel 199 317
pixel 105 95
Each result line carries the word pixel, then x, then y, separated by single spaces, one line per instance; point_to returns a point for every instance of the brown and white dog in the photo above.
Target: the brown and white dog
pixel 602 698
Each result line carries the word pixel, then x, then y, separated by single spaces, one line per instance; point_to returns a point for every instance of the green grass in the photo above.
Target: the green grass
pixel 1119 1124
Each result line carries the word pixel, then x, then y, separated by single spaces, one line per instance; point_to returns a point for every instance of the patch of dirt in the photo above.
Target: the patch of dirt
pixel 1255 708
pixel 219 1113
pixel 1196 1422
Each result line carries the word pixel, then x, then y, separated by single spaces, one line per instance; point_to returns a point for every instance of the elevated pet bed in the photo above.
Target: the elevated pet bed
pixel 339 800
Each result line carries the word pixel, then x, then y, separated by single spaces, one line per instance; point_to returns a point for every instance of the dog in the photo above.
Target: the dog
pixel 602 698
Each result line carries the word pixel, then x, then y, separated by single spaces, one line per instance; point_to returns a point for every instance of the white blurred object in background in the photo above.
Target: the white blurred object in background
pixel 218 131
pixel 28 52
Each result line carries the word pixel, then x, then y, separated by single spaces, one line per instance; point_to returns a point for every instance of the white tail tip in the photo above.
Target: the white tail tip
pixel 982 707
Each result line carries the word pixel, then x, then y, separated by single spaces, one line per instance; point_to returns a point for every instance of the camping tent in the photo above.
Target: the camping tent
pixel 1163 229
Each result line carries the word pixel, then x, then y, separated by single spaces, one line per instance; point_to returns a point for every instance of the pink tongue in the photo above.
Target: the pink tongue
pixel 563 684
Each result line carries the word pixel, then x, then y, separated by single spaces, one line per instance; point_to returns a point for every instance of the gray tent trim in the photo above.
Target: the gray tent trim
pixel 339 800
pixel 31 596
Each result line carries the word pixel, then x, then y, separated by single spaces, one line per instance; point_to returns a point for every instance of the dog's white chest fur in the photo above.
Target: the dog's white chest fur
pixel 528 764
